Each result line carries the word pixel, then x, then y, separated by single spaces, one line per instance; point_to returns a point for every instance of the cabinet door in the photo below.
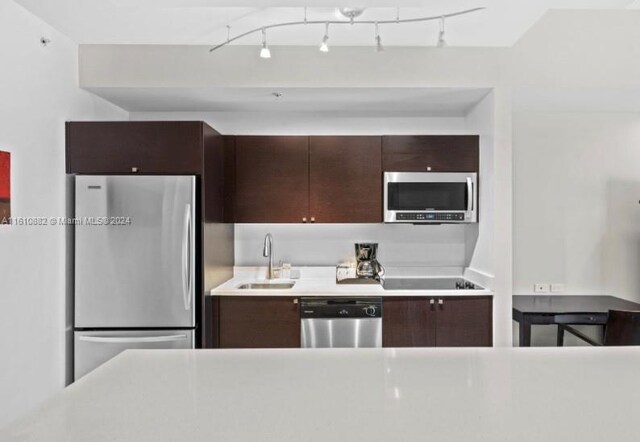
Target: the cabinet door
pixel 272 179
pixel 345 175
pixel 408 322
pixel 464 322
pixel 163 147
pixel 437 153
pixel 258 322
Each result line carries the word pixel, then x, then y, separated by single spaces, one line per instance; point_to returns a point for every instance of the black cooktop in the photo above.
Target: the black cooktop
pixel 429 284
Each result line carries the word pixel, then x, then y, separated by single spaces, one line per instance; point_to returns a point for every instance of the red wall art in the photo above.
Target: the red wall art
pixel 5 187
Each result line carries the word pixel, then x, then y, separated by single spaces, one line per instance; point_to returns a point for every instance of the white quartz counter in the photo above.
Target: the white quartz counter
pixel 506 394
pixel 320 281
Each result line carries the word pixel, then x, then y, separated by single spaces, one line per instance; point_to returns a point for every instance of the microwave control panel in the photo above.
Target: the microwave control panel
pixel 421 216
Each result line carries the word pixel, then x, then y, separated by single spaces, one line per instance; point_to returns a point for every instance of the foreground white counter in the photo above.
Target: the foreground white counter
pixel 534 394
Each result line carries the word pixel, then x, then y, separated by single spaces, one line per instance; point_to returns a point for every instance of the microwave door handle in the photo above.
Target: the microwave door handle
pixel 469 194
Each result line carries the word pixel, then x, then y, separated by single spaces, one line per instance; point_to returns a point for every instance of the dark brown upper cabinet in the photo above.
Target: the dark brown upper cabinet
pixel 345 179
pixel 329 179
pixel 271 179
pixel 450 321
pixel 154 147
pixel 436 153
pixel 229 143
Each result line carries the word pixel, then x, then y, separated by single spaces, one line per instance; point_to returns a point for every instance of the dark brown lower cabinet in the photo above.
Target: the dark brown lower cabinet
pixel 258 322
pixel 465 321
pixel 274 322
pixel 408 322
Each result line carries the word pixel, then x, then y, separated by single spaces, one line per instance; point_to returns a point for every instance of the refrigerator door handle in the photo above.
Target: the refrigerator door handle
pixel 190 262
pixel 131 340
pixel 186 251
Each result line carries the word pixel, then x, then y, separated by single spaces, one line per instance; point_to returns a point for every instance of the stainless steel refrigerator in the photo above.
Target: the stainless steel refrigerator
pixel 134 265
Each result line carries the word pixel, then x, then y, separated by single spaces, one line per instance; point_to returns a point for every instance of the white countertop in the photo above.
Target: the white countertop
pixel 505 394
pixel 321 281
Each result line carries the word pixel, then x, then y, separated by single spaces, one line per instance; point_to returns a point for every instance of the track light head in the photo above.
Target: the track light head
pixel 379 47
pixel 324 46
pixel 441 40
pixel 264 51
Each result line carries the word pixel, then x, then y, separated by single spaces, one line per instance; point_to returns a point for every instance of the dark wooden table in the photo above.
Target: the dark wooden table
pixel 571 310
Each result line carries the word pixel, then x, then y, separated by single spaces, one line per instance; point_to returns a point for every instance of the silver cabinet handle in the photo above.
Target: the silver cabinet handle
pixel 470 197
pixel 131 339
pixel 295 301
pixel 304 219
pixel 432 301
pixel 313 220
pixel 440 302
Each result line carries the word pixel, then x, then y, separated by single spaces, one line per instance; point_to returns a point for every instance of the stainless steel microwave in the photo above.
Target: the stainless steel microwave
pixel 430 197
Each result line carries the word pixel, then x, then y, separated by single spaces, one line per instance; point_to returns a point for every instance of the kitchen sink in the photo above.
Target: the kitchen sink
pixel 267 286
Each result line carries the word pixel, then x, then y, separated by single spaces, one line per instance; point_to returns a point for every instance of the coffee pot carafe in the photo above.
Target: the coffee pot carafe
pixel 367 262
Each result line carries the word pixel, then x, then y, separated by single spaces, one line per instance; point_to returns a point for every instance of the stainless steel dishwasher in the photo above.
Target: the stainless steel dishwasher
pixel 341 322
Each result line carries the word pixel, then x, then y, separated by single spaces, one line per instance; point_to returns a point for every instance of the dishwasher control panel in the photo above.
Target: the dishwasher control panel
pixel 340 307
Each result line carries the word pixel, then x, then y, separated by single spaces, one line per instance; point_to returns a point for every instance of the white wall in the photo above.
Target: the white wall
pixel 183 66
pixel 38 90
pixel 576 131
pixel 329 244
pixel 577 211
pixel 314 123
pixel 481 120
pixel 576 134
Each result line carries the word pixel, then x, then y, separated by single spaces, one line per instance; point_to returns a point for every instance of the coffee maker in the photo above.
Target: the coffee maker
pixel 367 265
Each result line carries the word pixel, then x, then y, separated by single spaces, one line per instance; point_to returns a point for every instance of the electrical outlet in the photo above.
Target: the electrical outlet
pixel 541 287
pixel 557 288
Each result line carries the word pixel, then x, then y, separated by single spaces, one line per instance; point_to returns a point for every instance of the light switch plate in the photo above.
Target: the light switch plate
pixel 557 288
pixel 541 287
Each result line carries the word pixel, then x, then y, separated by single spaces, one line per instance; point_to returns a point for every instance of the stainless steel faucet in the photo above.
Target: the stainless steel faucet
pixel 267 252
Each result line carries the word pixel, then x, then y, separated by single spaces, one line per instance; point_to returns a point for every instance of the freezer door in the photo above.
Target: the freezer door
pixel 139 269
pixel 93 349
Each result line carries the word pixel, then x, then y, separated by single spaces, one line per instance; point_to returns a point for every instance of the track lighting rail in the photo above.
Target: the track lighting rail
pixel 396 20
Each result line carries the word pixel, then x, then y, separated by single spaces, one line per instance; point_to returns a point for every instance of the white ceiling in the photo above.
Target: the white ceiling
pixel 442 102
pixel 204 21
